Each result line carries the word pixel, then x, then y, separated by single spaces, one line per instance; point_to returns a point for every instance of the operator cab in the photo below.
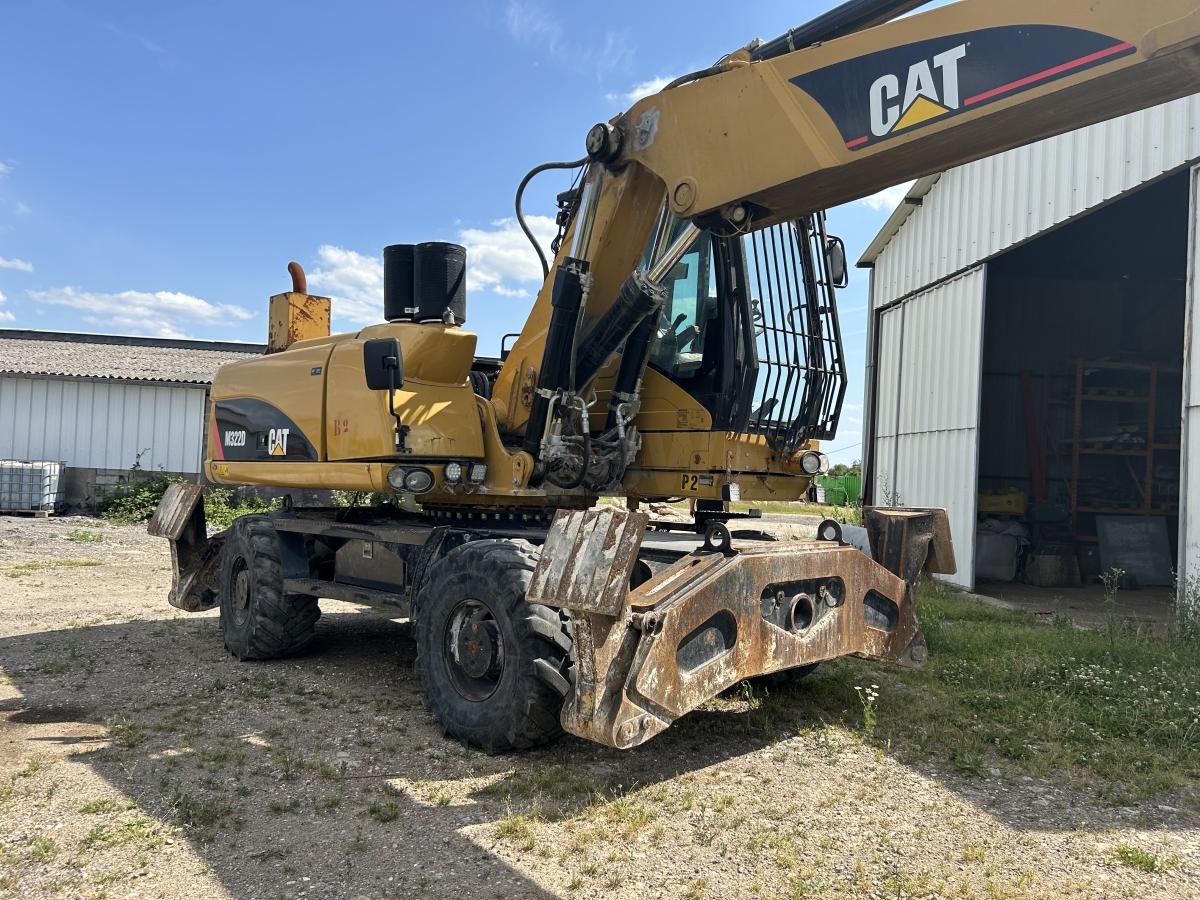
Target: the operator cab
pixel 750 329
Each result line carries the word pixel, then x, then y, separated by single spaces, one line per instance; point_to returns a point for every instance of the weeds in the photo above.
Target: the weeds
pixel 868 698
pixel 43 849
pixel 202 816
pixel 80 536
pixel 125 732
pixel 101 805
pixel 1112 584
pixel 137 500
pixel 25 568
pixel 1002 687
pixel 384 811
pixel 32 766
pixel 1138 859
pixel 518 829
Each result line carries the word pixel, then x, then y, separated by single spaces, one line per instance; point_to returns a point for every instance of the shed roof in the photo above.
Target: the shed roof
pixel 117 357
pixel 912 200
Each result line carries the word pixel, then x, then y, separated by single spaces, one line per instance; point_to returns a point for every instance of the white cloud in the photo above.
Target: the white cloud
pixel 157 313
pixel 645 89
pixel 532 24
pixel 21 208
pixel 352 280
pixel 887 199
pixel 19 264
pixel 5 168
pixel 5 316
pixel 500 259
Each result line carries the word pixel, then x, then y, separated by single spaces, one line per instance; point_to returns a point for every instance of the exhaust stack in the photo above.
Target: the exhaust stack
pixel 296 315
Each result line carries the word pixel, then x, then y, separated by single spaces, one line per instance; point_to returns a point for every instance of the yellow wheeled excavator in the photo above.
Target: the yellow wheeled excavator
pixel 685 343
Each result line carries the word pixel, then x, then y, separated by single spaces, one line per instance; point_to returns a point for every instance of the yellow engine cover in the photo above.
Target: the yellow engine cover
pixel 306 418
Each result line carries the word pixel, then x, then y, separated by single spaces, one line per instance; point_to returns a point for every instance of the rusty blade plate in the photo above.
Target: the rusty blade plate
pixel 174 510
pixel 587 559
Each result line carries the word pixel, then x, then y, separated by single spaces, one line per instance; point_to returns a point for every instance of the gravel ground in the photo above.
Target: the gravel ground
pixel 137 759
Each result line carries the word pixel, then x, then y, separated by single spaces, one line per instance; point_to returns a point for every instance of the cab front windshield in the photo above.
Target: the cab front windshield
pixel 690 307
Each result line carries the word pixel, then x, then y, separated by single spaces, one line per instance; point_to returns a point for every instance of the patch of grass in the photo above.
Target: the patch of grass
pixel 43 849
pixel 101 805
pixel 81 536
pixel 98 836
pixel 517 828
pixel 1141 860
pixel 558 782
pixel 25 568
pixel 1118 708
pixel 629 815
pixel 32 766
pixel 291 762
pixel 202 816
pixel 125 732
pixel 141 832
pixel 384 810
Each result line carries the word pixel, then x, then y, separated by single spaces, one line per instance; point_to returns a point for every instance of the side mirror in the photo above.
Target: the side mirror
pixel 835 261
pixel 383 364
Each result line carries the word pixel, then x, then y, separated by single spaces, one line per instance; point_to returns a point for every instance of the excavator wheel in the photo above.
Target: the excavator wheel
pixel 495 669
pixel 258 620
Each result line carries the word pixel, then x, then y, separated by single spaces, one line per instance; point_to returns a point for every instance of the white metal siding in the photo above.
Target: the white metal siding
pixel 927 420
pixel 101 425
pixel 985 207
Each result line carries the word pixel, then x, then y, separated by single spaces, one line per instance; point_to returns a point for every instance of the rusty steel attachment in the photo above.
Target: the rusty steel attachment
pixel 726 612
pixel 195 557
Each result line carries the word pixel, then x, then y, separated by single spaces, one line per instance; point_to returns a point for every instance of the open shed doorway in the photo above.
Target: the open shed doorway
pixel 1080 409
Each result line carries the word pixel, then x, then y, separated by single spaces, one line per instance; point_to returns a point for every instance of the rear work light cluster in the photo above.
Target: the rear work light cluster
pixel 418 480
pixel 476 472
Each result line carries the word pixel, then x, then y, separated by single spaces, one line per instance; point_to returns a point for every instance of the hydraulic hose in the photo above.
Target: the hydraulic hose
pixel 537 170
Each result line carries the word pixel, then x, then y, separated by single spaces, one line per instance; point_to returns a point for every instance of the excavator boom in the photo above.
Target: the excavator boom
pixel 771 134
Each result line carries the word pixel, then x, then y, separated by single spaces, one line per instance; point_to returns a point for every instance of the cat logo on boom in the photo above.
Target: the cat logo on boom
pixel 930 90
pixel 899 90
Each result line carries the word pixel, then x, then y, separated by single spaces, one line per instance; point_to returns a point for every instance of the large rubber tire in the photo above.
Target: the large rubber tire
pixel 528 681
pixel 258 620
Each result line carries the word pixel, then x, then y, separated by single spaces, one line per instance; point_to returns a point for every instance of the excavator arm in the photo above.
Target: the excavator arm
pixel 774 132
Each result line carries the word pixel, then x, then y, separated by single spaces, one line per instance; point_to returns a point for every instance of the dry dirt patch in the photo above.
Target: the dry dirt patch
pixel 138 759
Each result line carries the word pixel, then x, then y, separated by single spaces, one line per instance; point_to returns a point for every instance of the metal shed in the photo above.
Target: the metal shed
pixel 1000 289
pixel 100 403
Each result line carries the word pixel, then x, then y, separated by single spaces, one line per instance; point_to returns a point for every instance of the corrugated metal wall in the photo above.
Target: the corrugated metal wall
pixel 985 207
pixel 926 439
pixel 101 425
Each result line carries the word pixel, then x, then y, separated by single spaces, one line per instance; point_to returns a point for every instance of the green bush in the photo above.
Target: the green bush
pixel 137 500
pixel 223 505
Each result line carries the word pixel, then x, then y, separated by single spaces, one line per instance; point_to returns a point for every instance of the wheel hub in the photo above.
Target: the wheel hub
pixel 474 650
pixel 241 589
pixel 478 648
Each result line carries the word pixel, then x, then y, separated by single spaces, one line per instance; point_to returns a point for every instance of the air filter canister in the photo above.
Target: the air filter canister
pixel 399 298
pixel 440 275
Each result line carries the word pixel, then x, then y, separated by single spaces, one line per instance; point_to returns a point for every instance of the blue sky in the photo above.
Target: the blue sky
pixel 161 163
